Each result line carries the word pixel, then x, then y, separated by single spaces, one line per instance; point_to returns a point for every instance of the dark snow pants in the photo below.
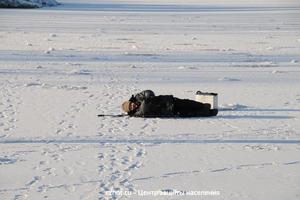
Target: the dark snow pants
pixel 190 108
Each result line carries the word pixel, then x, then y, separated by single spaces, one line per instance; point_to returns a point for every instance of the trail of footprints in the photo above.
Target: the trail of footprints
pixel 150 126
pixel 66 126
pixel 8 110
pixel 113 93
pixel 118 163
pixel 50 165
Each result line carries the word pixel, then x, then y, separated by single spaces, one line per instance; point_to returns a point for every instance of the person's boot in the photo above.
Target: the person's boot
pixel 205 111
pixel 213 112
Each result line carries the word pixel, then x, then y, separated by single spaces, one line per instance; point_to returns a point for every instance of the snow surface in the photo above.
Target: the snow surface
pixel 61 66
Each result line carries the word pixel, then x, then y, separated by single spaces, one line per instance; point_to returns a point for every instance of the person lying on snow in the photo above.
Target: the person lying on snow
pixel 146 104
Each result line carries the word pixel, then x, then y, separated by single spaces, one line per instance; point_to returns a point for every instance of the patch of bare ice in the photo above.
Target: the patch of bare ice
pixel 257 64
pixel 277 72
pixel 80 72
pixel 5 161
pixel 294 61
pixel 270 48
pixel 67 87
pixel 187 67
pixel 53 35
pixel 32 84
pixel 227 49
pixel 228 79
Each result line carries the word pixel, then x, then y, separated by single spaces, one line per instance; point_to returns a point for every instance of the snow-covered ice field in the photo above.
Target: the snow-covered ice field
pixel 61 66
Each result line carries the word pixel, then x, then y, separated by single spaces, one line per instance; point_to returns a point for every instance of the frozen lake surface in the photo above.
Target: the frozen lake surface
pixel 62 66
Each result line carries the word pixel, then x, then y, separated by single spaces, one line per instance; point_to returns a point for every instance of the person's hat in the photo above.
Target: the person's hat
pixel 125 106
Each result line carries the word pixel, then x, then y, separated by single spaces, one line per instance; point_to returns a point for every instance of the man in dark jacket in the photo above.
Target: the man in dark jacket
pixel 146 104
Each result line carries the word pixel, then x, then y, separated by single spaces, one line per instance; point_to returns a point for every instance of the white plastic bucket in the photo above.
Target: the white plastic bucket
pixel 211 98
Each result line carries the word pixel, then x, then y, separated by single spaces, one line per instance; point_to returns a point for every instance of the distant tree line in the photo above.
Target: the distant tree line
pixel 27 3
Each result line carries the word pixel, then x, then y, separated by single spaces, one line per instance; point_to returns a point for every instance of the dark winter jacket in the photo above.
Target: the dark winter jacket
pixel 152 106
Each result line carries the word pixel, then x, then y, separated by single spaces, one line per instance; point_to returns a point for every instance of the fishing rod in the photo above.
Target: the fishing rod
pixel 109 115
